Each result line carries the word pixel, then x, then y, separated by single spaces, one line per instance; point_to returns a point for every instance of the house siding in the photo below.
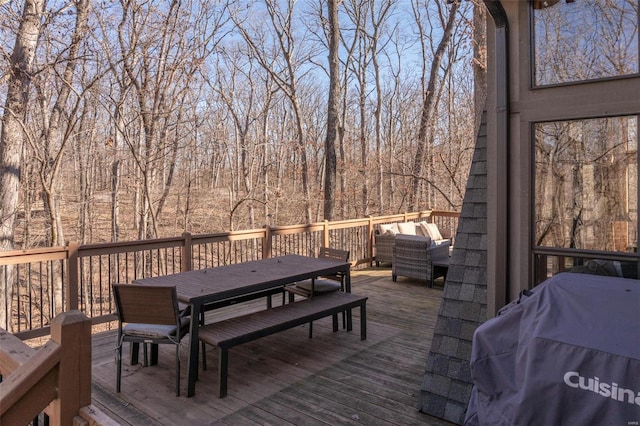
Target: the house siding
pixel 447 383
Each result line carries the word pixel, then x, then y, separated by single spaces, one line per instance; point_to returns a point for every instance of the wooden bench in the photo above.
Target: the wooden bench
pixel 235 331
pixel 150 352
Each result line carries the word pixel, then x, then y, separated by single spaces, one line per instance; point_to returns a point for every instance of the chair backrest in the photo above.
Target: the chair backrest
pixel 145 304
pixel 336 254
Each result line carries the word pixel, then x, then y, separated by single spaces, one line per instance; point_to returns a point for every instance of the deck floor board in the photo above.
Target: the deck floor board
pixel 287 378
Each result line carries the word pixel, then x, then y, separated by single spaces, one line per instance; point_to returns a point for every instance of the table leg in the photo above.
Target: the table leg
pixel 134 352
pixel 223 371
pixel 433 274
pixel 363 321
pixel 153 357
pixel 347 288
pixel 192 372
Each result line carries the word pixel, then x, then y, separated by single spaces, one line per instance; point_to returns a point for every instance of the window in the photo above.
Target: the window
pixel 586 184
pixel 584 40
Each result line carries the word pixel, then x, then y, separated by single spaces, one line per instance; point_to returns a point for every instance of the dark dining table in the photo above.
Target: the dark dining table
pixel 237 281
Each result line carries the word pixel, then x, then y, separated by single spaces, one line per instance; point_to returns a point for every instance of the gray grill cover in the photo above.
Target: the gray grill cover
pixel 567 354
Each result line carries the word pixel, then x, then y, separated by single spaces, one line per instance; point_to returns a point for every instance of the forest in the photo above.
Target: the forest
pixel 136 119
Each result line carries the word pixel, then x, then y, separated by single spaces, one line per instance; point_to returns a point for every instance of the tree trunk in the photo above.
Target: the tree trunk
pixel 116 143
pixel 12 141
pixel 332 112
pixel 364 149
pixel 428 107
pixel 479 61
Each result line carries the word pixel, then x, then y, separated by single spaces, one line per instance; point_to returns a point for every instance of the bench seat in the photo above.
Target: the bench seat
pixel 150 352
pixel 246 328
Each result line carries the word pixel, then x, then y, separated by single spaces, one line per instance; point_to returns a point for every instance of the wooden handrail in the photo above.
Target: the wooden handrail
pixel 13 352
pixel 31 387
pixel 62 253
pixel 56 377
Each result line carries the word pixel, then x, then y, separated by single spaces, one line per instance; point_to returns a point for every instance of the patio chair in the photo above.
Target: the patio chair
pixel 414 256
pixel 385 237
pixel 321 285
pixel 384 247
pixel 148 315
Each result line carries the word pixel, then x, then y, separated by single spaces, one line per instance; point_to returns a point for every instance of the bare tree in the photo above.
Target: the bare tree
pixel 426 120
pixel 237 90
pixel 154 136
pixel 160 52
pixel 378 19
pixel 59 104
pixel 358 63
pixel 479 59
pixel 12 139
pixel 283 60
pixel 60 121
pixel 361 41
pixel 322 30
pixel 333 122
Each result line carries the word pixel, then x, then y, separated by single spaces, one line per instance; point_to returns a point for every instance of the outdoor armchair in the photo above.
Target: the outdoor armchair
pixel 384 247
pixel 386 234
pixel 148 315
pixel 413 256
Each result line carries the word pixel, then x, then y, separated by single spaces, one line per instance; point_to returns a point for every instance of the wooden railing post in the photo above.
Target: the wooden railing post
pixel 187 251
pixel 72 331
pixel 325 234
pixel 370 232
pixel 73 281
pixel 267 243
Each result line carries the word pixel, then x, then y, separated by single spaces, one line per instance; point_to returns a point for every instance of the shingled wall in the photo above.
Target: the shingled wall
pixel 447 381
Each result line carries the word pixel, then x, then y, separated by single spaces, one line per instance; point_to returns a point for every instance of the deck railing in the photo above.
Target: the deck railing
pixel 49 281
pixel 549 261
pixel 55 378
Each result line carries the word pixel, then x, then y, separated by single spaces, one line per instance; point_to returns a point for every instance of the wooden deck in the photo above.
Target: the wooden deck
pixel 287 379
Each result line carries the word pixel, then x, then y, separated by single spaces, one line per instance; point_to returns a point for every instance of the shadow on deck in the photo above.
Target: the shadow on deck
pixel 334 378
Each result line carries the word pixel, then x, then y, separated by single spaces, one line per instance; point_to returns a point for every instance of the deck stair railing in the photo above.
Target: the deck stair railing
pixel 54 379
pixel 48 281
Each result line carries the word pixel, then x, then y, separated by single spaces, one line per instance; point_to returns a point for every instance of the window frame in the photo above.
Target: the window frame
pixel 533 85
pixel 566 257
pixel 533 104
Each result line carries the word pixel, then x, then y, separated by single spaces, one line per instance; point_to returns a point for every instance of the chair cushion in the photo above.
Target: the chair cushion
pixel 407 228
pixel 424 228
pixel 390 228
pixel 320 286
pixel 153 331
pixel 431 229
pixel 436 243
